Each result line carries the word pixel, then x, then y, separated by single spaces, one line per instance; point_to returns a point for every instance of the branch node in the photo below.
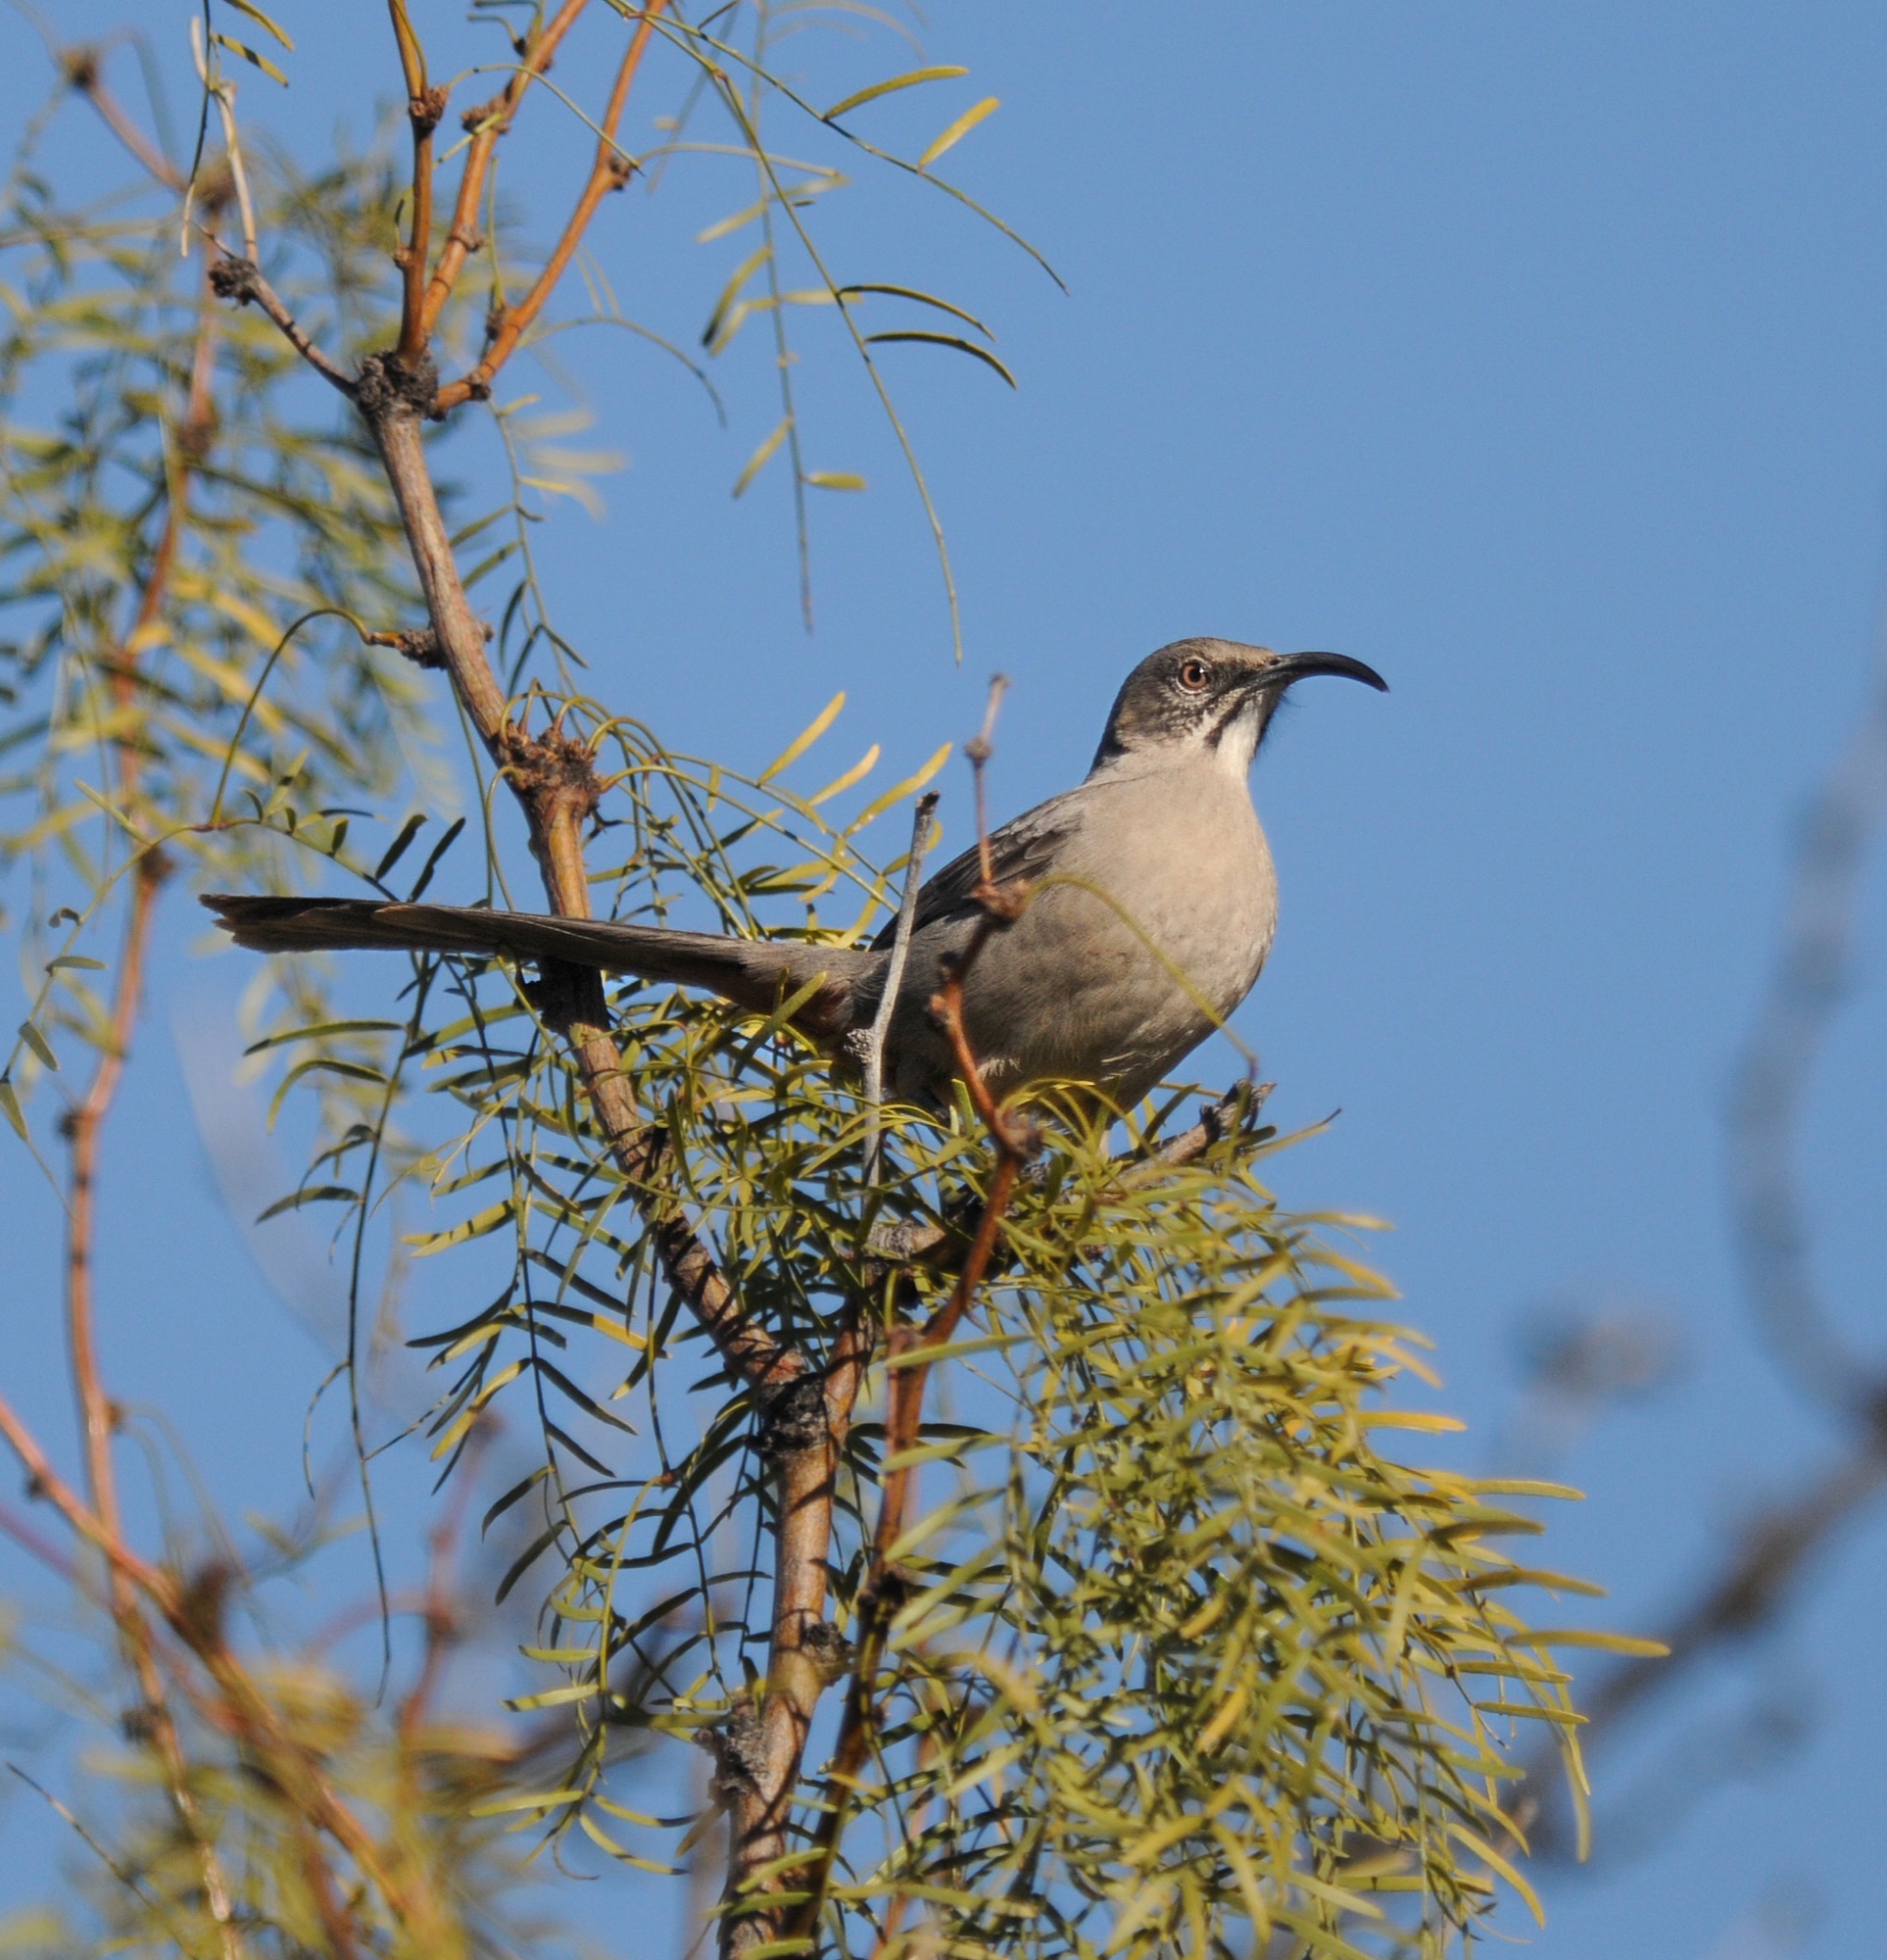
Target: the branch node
pixel 421 647
pixel 827 1648
pixel 554 775
pixel 426 112
pixel 480 113
pixel 195 433
pixel 1235 1114
pixel 233 278
pixel 203 1601
pixel 739 1749
pixel 387 385
pixel 420 644
pixel 794 1418
pixel 889 1589
pixel 1005 904
pixel 79 67
pixel 236 277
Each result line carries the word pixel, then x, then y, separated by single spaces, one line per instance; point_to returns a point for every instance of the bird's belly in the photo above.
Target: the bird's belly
pixel 1087 986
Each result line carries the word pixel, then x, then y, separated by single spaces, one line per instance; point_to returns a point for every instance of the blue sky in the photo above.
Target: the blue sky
pixel 1531 354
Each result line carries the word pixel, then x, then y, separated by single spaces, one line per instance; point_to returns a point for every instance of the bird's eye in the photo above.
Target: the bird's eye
pixel 1193 675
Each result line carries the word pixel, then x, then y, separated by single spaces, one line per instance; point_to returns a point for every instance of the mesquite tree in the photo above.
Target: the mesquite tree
pixel 1153 1649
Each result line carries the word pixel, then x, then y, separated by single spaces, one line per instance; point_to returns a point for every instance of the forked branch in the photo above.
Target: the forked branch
pixel 487 124
pixel 610 171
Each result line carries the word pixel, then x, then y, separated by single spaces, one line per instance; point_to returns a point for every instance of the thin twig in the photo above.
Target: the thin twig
pixel 241 280
pixel 610 171
pixel 128 1878
pixel 488 123
pixel 85 73
pixel 243 1702
pixel 98 1419
pixel 978 750
pixel 441 1621
pixel 222 93
pixel 894 980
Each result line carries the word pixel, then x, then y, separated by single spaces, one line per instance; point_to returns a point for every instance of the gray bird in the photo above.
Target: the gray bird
pixel 1151 903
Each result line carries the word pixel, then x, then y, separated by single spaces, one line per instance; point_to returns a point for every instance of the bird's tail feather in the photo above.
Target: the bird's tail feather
pixel 753 974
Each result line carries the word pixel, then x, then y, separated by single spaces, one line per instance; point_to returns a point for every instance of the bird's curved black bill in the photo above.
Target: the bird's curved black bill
pixel 1301 666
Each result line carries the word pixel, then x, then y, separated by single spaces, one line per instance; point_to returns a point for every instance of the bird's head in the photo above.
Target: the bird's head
pixel 1215 697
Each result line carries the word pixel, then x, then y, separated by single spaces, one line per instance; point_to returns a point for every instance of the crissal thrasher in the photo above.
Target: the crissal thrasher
pixel 1150 906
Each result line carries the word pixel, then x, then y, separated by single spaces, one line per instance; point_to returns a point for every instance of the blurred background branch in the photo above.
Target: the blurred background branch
pixel 1778 1553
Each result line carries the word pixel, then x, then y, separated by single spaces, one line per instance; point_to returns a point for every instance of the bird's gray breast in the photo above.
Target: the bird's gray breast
pixel 1143 934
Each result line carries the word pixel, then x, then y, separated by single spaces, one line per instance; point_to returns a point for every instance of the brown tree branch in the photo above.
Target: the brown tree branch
pixel 487 124
pixel 805 1410
pixel 319 1877
pixel 757 1791
pixel 609 172
pixel 46 1482
pixel 553 780
pixel 98 1420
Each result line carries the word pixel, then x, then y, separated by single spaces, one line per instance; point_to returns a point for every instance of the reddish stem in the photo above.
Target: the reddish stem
pixel 487 124
pixel 609 172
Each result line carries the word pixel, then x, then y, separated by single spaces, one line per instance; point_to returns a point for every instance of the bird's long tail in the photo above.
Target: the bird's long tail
pixel 755 973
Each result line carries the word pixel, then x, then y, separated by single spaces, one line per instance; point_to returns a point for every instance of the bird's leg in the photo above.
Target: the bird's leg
pixel 1235 1114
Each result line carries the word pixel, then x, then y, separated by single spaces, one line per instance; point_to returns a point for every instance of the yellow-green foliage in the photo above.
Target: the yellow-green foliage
pixel 1184 1651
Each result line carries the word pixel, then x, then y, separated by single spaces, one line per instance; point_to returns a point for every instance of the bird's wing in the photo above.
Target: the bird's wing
pixel 1024 847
